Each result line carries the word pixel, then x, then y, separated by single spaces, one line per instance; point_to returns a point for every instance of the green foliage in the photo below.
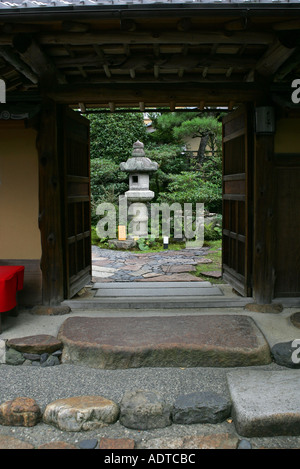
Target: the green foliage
pixel 112 135
pixel 189 187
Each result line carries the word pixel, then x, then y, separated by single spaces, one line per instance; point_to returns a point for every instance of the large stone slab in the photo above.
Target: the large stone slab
pixel 265 403
pixel 189 341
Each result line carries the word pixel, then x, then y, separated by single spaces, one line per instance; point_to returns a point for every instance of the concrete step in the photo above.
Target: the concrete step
pixel 174 341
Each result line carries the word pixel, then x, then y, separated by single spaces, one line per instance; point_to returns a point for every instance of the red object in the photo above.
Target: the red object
pixel 11 281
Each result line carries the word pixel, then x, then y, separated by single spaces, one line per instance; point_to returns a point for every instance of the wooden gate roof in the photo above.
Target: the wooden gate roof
pixel 113 53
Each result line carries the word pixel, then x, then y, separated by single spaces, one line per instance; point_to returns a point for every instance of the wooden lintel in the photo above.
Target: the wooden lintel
pixel 157 94
pixel 187 37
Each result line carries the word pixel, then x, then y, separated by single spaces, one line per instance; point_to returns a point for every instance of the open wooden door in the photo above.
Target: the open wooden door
pixel 237 196
pixel 76 193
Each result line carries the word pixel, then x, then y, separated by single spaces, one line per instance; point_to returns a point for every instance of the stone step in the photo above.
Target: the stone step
pixel 154 293
pixel 174 341
pixel 265 403
pixel 144 285
pixel 182 303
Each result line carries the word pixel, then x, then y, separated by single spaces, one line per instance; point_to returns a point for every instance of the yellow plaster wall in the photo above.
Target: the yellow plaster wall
pixel 19 232
pixel 287 136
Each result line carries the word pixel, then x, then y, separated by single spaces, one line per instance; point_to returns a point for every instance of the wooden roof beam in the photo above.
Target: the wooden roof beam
pixel 31 53
pixel 272 60
pixel 14 60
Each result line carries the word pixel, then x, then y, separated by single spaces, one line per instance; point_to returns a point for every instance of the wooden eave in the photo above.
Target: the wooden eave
pixel 139 57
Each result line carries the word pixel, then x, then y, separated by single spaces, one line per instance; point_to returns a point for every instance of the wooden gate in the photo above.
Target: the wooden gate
pixel 237 196
pixel 76 193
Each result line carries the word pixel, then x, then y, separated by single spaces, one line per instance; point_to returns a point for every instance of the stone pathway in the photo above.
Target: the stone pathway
pixel 125 266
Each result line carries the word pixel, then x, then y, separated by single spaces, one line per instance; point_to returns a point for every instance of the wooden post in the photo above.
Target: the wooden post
pixel 264 233
pixel 50 207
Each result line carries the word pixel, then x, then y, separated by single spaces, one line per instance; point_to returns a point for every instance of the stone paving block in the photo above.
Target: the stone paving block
pixel 265 403
pixel 215 441
pixel 9 442
pixel 116 443
pixel 57 445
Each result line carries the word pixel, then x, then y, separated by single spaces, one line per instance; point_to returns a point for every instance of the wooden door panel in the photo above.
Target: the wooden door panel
pixel 77 231
pixel 236 197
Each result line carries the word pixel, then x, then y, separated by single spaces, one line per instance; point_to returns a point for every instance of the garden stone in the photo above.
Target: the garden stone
pixel 283 354
pixel 21 411
pixel 51 361
pixel 200 407
pixel 244 444
pixel 144 410
pixel 31 356
pixel 75 414
pixel 44 357
pixel 42 343
pixel 13 357
pixel 88 444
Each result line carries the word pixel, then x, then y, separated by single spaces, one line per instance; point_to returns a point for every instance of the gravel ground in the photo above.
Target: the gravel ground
pixel 48 384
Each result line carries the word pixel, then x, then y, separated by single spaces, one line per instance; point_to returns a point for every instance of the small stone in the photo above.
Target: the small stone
pixel 35 344
pixel 116 443
pixel 2 351
pixel 9 442
pixel 88 444
pixel 43 357
pixel 295 319
pixel 212 274
pixel 21 412
pixel 31 356
pixel 58 353
pixel 35 363
pixel 57 445
pixel 51 361
pixel 144 410
pixel 244 444
pixel 75 414
pixel 283 354
pixel 200 407
pixel 13 357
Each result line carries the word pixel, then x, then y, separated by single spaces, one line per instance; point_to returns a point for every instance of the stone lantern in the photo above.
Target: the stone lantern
pixel 139 168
